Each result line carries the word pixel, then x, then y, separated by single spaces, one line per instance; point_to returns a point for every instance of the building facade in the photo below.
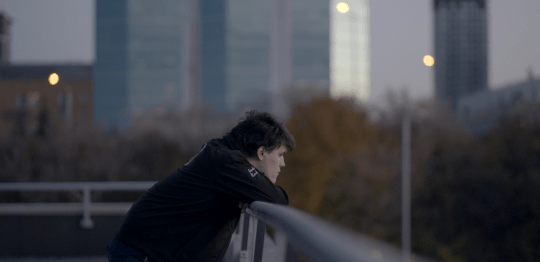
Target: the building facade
pixel 461 48
pixel 482 110
pixel 138 59
pixel 28 101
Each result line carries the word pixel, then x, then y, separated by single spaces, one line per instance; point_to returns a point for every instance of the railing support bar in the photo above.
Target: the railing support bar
pixel 86 222
pixel 259 241
pixel 244 253
pixel 281 245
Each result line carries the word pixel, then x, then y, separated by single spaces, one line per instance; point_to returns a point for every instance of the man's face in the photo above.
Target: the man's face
pixel 272 162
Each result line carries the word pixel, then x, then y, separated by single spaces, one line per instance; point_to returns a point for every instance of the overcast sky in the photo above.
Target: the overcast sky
pixel 60 31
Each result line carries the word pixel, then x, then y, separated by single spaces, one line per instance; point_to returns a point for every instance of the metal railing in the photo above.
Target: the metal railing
pixel 295 232
pixel 81 190
pixel 314 238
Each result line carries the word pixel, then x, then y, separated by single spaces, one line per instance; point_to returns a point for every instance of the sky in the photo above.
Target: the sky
pixel 63 31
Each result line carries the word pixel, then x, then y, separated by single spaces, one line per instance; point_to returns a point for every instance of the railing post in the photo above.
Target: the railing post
pixel 86 221
pixel 244 252
pixel 258 239
pixel 281 245
pixel 406 188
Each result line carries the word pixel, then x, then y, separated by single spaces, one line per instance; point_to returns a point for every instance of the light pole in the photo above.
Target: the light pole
pixel 406 188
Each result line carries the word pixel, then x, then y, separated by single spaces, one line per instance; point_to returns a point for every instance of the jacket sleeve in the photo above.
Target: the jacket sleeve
pixel 236 177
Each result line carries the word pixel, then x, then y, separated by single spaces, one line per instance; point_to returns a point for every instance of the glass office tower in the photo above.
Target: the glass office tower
pixel 247 54
pixel 350 49
pixel 460 48
pixel 240 41
pixel 310 24
pixel 224 55
pixel 138 59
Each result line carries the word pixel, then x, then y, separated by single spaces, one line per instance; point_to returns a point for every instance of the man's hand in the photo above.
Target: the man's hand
pixel 243 206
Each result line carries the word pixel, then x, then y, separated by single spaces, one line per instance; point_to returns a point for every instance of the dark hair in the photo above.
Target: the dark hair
pixel 260 129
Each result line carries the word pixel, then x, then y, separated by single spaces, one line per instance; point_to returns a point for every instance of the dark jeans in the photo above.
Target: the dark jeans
pixel 119 252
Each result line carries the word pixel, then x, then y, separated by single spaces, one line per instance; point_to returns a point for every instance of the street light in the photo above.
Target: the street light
pixel 429 61
pixel 342 7
pixel 53 79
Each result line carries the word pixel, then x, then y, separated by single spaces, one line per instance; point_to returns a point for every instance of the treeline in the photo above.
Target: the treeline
pixel 474 198
pixel 153 148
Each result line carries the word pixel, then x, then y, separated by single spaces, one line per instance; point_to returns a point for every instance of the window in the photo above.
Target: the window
pixel 83 97
pixel 466 111
pixel 33 99
pixel 83 112
pixel 21 101
pixel 61 104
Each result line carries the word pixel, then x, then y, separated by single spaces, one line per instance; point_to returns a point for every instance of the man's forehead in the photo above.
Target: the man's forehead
pixel 282 149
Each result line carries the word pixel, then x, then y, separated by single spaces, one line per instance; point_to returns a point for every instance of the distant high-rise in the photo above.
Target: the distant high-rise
pixel 138 59
pixel 349 49
pixel 5 22
pixel 252 50
pixel 224 55
pixel 460 48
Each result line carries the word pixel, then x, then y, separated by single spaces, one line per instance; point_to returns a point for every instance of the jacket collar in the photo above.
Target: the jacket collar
pixel 230 142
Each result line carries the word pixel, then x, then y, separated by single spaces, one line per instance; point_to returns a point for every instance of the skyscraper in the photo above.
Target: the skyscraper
pixel 264 46
pixel 138 59
pixel 349 49
pixel 224 55
pixel 460 48
pixel 235 47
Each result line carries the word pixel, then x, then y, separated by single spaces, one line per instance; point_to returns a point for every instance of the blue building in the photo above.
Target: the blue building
pixel 460 48
pixel 138 54
pixel 225 56
pixel 481 111
pixel 252 50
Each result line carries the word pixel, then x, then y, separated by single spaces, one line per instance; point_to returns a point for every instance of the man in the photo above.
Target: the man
pixel 192 213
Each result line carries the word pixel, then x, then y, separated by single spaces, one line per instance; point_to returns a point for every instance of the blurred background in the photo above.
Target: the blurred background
pixel 128 90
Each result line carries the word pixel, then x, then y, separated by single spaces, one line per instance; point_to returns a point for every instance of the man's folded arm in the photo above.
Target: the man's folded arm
pixel 248 185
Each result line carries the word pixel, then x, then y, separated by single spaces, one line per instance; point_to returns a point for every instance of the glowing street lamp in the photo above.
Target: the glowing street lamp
pixel 53 79
pixel 342 7
pixel 429 60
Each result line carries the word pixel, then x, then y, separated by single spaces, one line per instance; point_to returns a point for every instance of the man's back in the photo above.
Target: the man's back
pixel 191 214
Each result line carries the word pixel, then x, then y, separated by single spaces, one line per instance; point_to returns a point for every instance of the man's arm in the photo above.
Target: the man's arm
pixel 242 180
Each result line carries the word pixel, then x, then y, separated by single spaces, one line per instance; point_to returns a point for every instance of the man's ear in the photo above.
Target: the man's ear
pixel 260 152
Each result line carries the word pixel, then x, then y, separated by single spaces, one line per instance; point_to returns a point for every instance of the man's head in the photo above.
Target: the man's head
pixel 263 140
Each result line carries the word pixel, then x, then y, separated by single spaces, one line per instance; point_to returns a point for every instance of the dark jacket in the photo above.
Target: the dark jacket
pixel 192 213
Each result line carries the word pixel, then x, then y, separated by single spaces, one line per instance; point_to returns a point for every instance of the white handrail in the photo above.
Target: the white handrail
pixel 316 238
pixel 63 186
pixel 320 240
pixel 86 207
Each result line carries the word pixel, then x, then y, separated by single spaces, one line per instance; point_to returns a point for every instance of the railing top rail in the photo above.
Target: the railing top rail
pixel 59 186
pixel 320 240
